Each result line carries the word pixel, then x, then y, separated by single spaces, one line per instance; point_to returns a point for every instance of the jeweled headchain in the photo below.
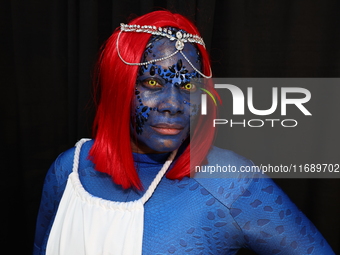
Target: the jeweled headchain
pixel 181 38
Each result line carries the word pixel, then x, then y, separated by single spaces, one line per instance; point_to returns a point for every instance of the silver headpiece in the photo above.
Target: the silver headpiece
pixel 181 38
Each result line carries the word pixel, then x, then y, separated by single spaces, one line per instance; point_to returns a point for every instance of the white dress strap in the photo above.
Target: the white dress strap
pixel 79 144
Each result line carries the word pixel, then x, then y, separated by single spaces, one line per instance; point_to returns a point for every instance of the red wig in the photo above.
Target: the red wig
pixel 111 151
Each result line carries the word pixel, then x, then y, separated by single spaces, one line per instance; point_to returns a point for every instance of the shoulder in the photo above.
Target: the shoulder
pixel 226 157
pixel 269 220
pixel 223 163
pixel 224 176
pixel 64 163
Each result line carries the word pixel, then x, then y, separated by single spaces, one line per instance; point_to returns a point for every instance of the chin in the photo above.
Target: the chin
pixel 165 145
pixel 165 148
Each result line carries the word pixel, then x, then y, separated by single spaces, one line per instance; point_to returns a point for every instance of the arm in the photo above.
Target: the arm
pixel 54 185
pixel 272 224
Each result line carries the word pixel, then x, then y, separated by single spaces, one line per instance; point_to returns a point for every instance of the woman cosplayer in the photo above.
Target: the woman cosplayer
pixel 129 191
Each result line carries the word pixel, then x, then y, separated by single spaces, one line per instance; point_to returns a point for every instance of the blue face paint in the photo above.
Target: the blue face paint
pixel 166 98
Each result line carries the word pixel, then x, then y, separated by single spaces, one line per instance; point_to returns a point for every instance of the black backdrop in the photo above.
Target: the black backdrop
pixel 48 49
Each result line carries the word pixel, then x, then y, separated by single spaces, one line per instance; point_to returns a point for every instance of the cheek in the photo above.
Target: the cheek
pixel 145 98
pixel 142 111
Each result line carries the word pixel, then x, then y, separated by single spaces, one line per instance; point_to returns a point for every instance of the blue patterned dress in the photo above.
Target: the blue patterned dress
pixel 194 215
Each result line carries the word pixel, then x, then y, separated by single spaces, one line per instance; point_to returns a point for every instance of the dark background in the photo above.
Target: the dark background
pixel 48 49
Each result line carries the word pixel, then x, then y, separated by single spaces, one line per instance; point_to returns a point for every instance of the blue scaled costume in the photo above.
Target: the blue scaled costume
pixel 193 215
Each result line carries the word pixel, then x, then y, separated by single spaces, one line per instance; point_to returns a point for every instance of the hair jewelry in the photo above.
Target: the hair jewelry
pixel 180 36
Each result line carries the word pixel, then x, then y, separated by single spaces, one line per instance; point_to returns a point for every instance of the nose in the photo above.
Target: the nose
pixel 172 101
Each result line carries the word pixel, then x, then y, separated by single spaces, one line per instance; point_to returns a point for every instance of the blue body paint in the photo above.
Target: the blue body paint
pixel 166 98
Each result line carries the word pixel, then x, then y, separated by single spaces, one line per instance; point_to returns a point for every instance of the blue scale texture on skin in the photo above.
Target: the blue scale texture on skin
pixel 167 96
pixel 195 215
pixel 176 74
pixel 141 113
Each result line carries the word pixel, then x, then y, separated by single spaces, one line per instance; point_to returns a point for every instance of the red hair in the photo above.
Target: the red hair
pixel 111 151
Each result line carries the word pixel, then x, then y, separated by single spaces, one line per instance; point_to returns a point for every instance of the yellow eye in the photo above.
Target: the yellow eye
pixel 189 86
pixel 152 82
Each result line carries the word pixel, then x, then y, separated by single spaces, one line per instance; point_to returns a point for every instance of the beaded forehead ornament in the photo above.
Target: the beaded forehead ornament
pixel 180 37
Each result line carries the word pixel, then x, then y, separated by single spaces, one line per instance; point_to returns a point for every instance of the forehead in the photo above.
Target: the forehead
pixel 164 47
